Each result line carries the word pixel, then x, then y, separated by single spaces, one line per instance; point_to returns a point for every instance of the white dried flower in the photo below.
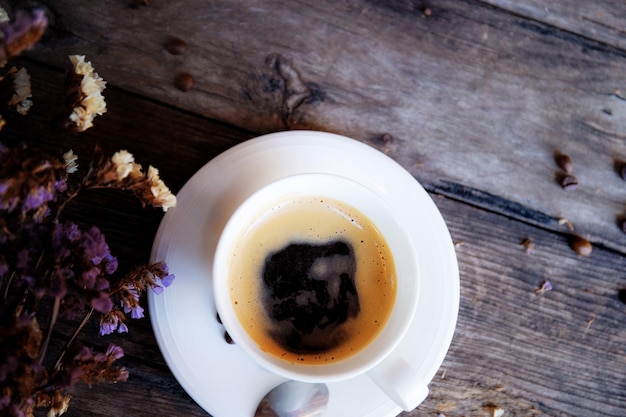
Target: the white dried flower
pixel 4 16
pixel 92 101
pixel 62 408
pixel 22 92
pixel 497 412
pixel 163 197
pixel 124 165
pixel 70 159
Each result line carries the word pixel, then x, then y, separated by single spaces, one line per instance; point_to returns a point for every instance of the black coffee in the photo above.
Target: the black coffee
pixel 310 292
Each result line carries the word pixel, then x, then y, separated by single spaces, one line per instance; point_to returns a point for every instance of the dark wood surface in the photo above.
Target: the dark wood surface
pixel 472 97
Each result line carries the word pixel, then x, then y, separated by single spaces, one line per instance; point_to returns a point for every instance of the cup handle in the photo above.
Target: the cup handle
pixel 399 381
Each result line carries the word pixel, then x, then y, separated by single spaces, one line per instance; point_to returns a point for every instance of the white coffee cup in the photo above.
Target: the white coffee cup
pixel 378 359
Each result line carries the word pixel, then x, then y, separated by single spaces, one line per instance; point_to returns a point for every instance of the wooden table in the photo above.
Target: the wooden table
pixel 473 98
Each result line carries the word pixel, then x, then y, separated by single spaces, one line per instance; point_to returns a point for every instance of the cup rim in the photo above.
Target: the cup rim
pixel 401 248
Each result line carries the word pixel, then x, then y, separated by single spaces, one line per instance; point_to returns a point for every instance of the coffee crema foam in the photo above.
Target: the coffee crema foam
pixel 343 274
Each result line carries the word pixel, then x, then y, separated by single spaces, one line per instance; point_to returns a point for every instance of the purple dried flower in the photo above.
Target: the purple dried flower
pixel 112 321
pixel 94 246
pixel 102 284
pixel 544 287
pixel 60 186
pixel 110 264
pixel 21 34
pixel 114 352
pixel 167 280
pixel 122 328
pixel 57 286
pixel 82 353
pixel 102 304
pixel 107 328
pixel 88 278
pixel 72 306
pixel 37 198
pixel 136 313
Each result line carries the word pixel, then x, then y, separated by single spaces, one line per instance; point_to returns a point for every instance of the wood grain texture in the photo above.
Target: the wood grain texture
pixel 560 353
pixel 601 21
pixel 472 94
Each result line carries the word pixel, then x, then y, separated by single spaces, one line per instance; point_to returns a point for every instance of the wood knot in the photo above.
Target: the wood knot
pixel 295 91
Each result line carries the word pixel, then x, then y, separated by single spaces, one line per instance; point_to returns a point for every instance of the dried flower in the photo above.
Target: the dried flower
pixel 163 197
pixel 124 164
pixel 70 158
pixel 84 92
pixel 122 172
pixel 544 287
pixel 528 245
pixel 112 321
pixel 4 16
pixel 21 83
pixel 22 33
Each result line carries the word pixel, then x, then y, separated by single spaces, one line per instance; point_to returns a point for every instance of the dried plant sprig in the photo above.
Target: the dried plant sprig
pixel 44 257
pixel 122 172
pixel 84 97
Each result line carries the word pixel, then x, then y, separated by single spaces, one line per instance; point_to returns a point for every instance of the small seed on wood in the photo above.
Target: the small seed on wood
pixel 581 246
pixel 528 245
pixel 564 162
pixel 176 46
pixel 569 182
pixel 184 82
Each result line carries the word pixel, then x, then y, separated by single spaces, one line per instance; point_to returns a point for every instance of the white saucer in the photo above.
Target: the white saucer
pixel 218 376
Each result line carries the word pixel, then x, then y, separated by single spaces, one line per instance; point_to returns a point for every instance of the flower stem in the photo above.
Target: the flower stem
pixel 53 319
pixel 67 201
pixel 82 324
pixel 8 286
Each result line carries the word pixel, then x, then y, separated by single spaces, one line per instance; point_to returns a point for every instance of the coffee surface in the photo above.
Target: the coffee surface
pixel 312 280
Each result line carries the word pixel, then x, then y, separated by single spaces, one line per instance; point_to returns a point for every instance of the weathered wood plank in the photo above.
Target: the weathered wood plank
pixel 470 95
pixel 561 353
pixel 601 20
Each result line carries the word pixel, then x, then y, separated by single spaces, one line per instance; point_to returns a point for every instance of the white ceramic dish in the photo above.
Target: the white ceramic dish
pixel 219 376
